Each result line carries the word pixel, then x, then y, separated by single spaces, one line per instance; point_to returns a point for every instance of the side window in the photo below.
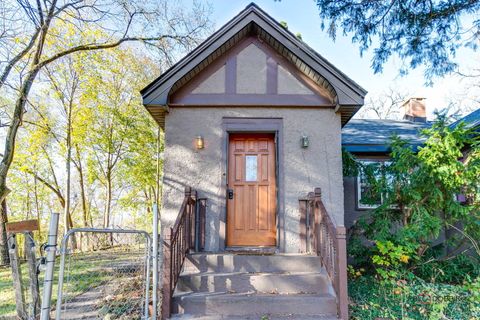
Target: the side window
pixel 367 198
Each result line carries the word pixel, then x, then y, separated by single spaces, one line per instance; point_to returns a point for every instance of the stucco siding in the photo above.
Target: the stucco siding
pixel 252 61
pixel 317 166
pixel 288 84
pixel 213 84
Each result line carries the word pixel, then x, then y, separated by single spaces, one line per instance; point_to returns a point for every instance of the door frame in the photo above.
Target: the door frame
pixel 254 125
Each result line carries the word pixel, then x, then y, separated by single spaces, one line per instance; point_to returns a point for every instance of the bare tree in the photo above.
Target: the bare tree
pixel 33 34
pixel 467 98
pixel 386 105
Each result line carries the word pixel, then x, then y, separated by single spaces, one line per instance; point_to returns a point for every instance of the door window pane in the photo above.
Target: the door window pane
pixel 250 168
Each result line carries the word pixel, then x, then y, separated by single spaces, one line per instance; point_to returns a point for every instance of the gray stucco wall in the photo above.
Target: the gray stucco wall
pixel 304 169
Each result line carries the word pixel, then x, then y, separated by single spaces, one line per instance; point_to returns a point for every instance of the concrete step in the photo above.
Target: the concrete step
pixel 253 305
pixel 280 283
pixel 222 263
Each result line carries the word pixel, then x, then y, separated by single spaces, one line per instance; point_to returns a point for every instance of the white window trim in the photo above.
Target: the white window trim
pixel 359 185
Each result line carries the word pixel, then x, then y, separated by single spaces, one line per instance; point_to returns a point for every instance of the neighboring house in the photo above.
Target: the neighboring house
pixel 368 140
pixel 252 120
pixel 471 121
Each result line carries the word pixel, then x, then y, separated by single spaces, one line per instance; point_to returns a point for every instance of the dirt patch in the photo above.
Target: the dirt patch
pixel 122 298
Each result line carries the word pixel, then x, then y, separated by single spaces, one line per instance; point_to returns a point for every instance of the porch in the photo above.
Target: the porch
pixel 311 284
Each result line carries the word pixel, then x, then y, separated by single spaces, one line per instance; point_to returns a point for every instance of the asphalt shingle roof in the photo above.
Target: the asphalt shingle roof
pixel 471 120
pixel 373 135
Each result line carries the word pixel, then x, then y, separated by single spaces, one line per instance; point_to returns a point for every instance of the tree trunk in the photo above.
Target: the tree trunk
pixel 37 204
pixel 11 138
pixel 108 204
pixel 67 214
pixel 83 196
pixel 4 258
pixel 108 200
pixel 28 205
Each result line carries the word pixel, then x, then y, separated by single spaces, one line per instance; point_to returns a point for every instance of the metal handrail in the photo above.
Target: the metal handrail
pixel 187 234
pixel 328 240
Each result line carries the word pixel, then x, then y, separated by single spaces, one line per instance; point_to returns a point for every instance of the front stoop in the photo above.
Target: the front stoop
pixel 231 286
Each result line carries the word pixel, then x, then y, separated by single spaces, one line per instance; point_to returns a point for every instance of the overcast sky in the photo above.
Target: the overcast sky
pixel 302 16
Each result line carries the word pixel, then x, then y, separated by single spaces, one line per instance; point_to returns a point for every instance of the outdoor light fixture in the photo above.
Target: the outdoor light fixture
pixel 199 142
pixel 304 141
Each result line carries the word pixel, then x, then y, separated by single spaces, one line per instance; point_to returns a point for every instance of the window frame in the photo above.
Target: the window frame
pixel 358 183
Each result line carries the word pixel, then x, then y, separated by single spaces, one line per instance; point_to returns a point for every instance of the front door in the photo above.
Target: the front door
pixel 251 204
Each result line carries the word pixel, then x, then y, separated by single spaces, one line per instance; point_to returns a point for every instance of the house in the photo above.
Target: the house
pixel 472 120
pixel 252 207
pixel 368 140
pixel 254 204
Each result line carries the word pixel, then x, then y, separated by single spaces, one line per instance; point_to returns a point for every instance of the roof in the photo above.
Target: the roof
pixel 373 135
pixel 349 95
pixel 471 120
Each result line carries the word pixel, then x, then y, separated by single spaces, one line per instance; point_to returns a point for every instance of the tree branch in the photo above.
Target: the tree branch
pixel 97 46
pixel 49 186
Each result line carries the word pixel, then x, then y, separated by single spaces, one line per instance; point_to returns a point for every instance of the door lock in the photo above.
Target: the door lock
pixel 230 193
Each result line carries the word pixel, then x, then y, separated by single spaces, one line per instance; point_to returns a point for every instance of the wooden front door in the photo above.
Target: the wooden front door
pixel 251 194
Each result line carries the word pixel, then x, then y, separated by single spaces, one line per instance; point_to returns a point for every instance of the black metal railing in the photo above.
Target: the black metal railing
pixel 186 235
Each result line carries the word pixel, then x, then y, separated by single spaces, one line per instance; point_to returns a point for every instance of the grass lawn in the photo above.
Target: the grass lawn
pixel 85 271
pixel 415 299
pixel 7 295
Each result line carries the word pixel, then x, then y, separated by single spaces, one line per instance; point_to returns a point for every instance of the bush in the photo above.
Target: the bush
pixel 418 189
pixel 457 270
pixel 412 299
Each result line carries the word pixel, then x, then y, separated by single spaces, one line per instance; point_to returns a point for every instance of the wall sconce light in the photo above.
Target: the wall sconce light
pixel 199 142
pixel 304 141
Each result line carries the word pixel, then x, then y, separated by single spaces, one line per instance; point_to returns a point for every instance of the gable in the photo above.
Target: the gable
pixel 252 74
pixel 348 96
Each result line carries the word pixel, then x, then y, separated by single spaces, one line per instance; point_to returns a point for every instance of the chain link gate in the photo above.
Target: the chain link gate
pixel 104 273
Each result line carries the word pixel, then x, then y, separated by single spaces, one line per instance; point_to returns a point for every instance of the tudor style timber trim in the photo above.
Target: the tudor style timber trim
pixel 186 95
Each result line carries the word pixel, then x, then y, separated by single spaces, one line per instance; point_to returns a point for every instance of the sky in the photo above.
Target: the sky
pixel 302 16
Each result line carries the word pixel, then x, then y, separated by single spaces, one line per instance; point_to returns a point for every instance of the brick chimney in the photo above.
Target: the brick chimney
pixel 415 110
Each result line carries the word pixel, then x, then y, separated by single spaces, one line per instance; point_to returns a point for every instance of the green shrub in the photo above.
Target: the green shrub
pixel 412 299
pixel 454 271
pixel 390 259
pixel 418 190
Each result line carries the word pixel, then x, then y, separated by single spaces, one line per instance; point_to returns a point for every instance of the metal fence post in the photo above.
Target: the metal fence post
pixel 61 271
pixel 148 259
pixel 50 263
